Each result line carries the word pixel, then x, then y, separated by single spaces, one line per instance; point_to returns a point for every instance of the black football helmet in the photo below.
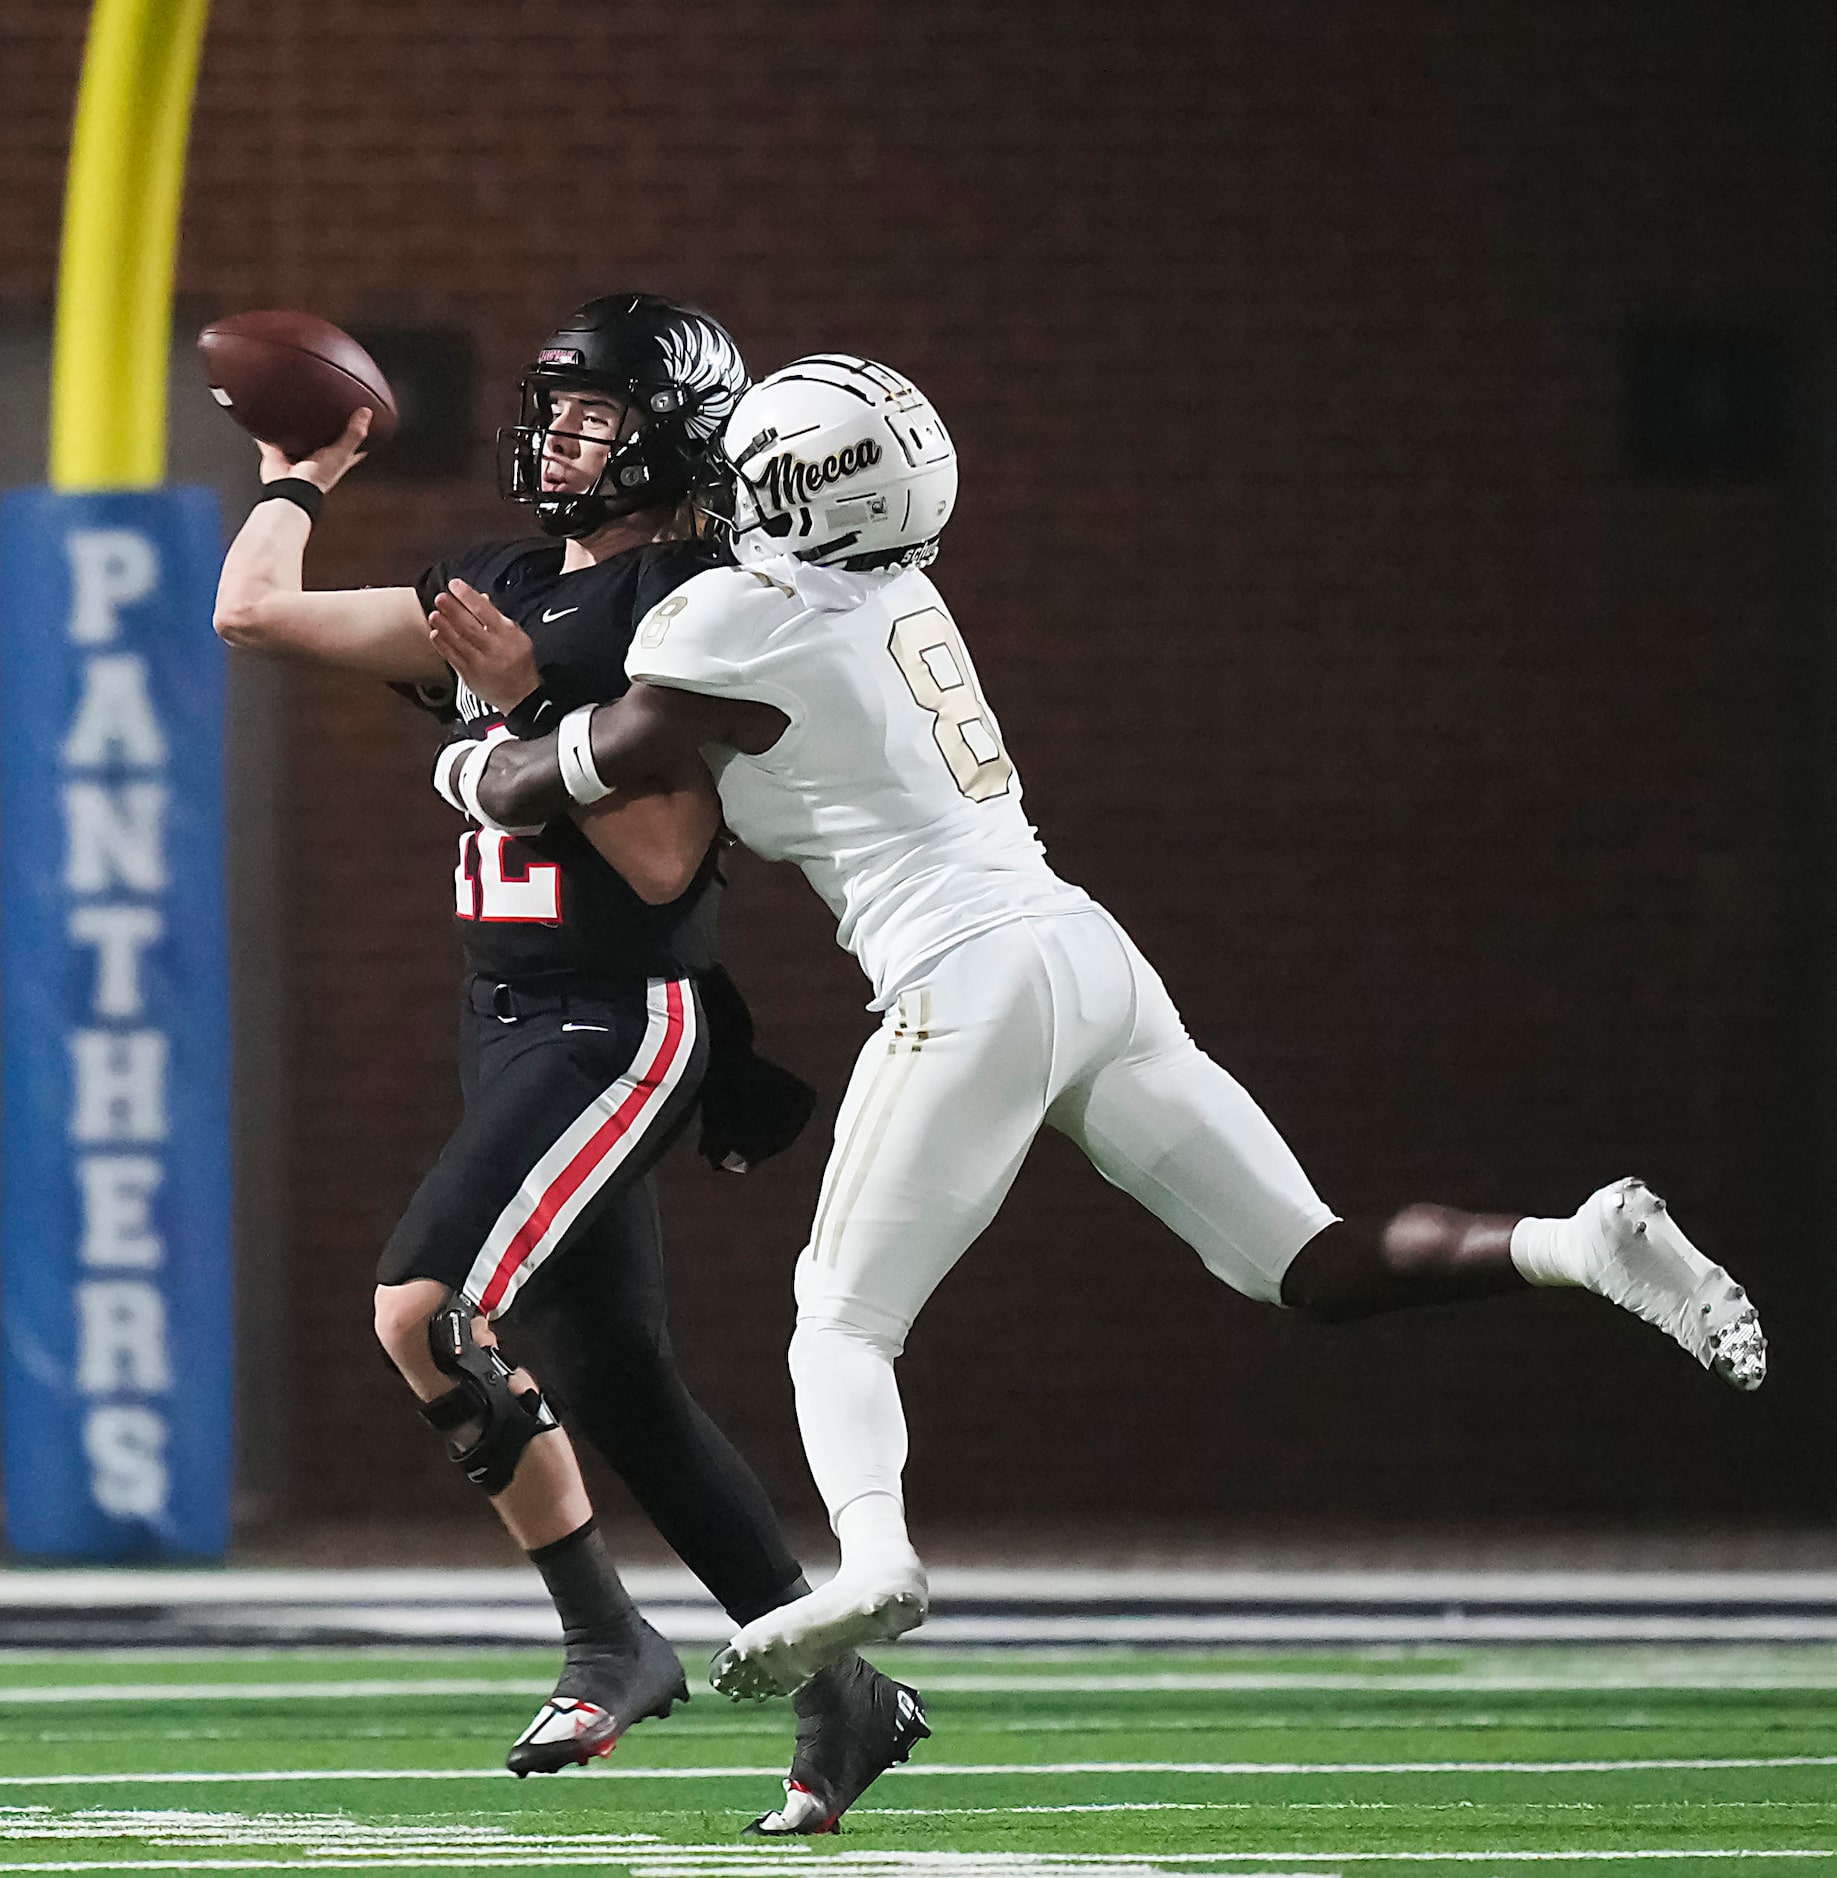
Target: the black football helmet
pixel 678 367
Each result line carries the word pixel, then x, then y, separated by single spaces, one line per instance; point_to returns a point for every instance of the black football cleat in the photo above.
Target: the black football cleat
pixel 605 1688
pixel 853 1723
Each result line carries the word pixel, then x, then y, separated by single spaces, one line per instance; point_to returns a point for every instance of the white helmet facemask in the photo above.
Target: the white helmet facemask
pixel 841 463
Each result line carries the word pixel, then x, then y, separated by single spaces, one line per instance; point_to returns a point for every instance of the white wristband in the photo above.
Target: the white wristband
pixel 574 747
pixel 465 771
pixel 450 757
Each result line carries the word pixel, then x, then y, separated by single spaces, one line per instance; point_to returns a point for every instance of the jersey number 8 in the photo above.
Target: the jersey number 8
pixel 930 654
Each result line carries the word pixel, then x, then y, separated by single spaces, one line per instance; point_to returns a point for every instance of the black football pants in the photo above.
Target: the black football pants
pixel 578 1093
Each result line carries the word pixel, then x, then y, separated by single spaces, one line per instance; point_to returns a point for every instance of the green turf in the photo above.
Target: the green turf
pixel 1120 1764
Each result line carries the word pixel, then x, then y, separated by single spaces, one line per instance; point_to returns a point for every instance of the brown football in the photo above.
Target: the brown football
pixel 293 379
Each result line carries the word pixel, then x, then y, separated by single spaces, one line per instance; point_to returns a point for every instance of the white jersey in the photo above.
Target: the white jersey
pixel 890 788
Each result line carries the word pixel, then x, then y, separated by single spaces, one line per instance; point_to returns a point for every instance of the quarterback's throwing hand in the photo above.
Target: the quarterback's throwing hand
pixel 324 469
pixel 490 651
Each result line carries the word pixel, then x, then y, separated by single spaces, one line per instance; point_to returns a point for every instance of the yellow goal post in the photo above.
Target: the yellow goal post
pixel 120 241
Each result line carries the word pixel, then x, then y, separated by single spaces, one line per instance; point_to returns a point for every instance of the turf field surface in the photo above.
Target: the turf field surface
pixel 1041 1766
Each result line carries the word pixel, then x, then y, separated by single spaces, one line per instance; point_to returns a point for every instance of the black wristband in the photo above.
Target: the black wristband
pixel 534 717
pixel 298 491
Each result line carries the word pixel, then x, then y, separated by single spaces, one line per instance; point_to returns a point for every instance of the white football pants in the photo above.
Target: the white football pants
pixel 1053 1020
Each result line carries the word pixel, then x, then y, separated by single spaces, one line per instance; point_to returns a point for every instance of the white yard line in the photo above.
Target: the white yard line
pixel 183 1840
pixel 1478 1682
pixel 364 1689
pixel 433 1862
pixel 944 1864
pixel 870 1811
pixel 947 1770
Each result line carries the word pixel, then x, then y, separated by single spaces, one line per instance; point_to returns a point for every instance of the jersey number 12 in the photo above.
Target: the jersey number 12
pixel 482 890
pixel 929 652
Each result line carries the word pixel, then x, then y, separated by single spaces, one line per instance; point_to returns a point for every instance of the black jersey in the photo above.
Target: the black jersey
pixel 546 903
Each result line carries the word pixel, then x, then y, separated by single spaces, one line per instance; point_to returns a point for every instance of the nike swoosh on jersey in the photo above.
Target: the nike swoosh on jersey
pixel 563 614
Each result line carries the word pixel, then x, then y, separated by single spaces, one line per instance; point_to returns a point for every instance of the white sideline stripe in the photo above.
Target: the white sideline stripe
pixel 526 1622
pixel 1457 1683
pixel 463 1586
pixel 1452 1626
pixel 964 1683
pixel 945 1769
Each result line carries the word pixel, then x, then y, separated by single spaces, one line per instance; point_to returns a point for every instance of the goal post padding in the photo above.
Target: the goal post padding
pixel 115 1271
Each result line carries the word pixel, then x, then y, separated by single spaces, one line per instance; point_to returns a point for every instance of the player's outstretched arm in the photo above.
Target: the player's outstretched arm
pixel 262 602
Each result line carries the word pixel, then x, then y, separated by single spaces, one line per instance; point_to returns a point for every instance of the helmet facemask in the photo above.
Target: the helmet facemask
pixel 643 469
pixel 757 535
pixel 678 370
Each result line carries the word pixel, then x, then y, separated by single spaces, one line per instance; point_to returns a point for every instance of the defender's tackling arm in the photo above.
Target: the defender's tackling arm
pixel 642 743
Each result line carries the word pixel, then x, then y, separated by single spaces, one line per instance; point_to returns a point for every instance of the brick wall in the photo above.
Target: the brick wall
pixel 1463 785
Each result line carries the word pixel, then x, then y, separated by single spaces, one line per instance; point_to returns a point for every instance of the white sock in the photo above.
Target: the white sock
pixel 872 1531
pixel 854 1430
pixel 1550 1251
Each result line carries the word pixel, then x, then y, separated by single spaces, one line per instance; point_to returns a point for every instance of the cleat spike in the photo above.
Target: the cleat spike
pixel 1639 1258
pixel 778 1653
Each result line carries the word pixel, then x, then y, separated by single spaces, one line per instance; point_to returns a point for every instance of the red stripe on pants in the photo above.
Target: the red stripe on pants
pixel 593 1151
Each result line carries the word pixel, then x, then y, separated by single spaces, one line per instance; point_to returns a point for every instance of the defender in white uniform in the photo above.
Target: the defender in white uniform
pixel 831 691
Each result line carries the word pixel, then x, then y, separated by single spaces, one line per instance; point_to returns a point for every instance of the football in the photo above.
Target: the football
pixel 293 379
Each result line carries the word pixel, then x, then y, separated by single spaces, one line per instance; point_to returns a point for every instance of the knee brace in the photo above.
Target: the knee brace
pixel 508 1420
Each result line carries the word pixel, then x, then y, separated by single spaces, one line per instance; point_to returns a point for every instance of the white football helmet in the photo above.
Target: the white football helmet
pixel 842 462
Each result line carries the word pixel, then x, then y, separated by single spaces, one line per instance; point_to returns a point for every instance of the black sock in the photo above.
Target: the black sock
pixel 799 1587
pixel 593 1605
pixel 830 1688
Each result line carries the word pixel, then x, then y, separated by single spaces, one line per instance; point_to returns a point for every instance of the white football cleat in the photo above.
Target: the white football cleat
pixel 778 1653
pixel 1638 1258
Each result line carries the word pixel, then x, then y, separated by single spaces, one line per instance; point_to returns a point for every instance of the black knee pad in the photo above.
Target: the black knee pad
pixel 508 1420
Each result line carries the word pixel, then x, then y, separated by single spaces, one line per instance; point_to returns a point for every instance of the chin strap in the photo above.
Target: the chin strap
pixel 829 589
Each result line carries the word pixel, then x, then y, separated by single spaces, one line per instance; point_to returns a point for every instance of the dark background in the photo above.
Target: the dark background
pixel 1396 535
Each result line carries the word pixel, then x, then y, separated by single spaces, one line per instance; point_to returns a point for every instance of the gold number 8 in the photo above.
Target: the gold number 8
pixel 929 652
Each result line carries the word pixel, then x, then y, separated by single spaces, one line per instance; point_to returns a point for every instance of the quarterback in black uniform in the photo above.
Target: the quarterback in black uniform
pixel 591 985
